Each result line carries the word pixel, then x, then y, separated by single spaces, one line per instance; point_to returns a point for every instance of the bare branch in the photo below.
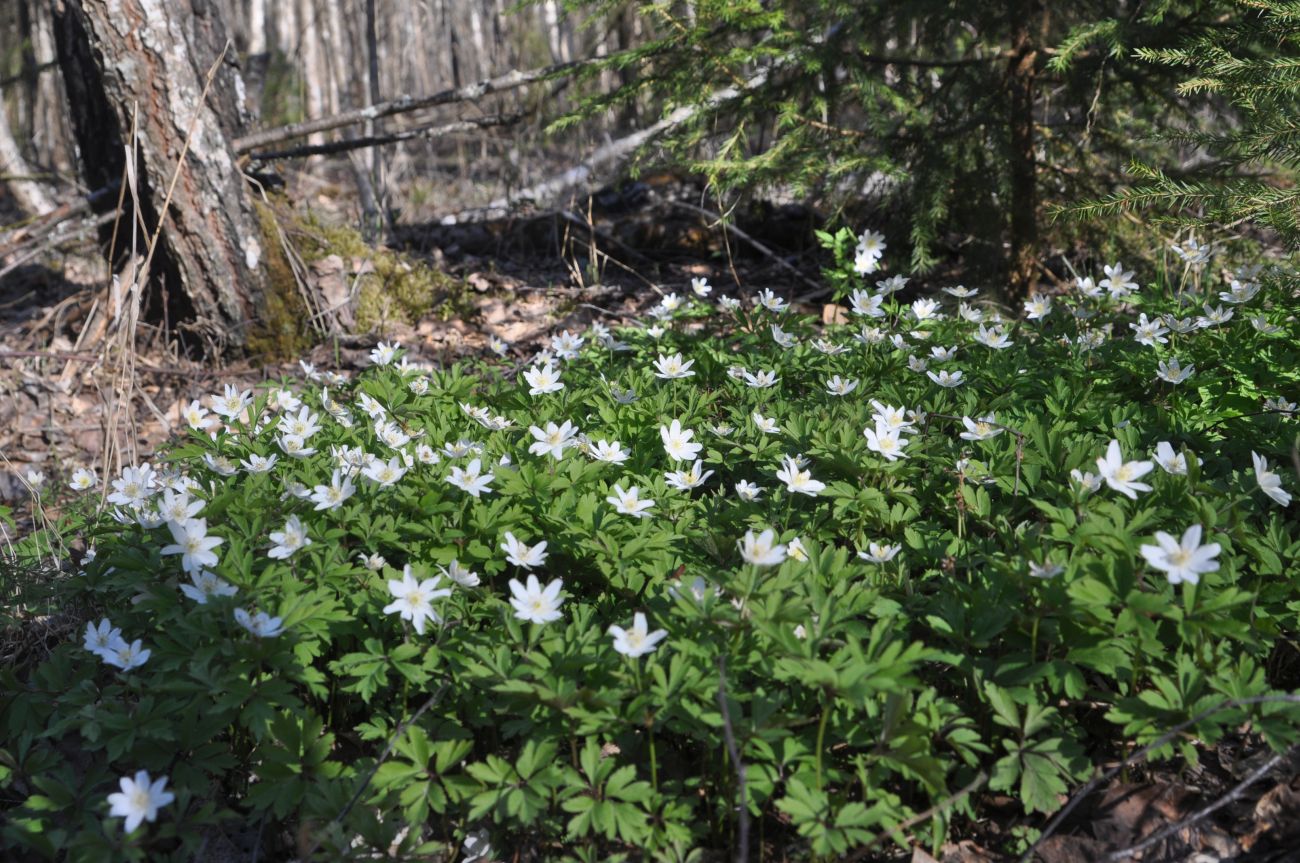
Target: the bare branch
pixel 1237 790
pixel 427 132
pixel 405 104
pixel 755 244
pixel 1142 753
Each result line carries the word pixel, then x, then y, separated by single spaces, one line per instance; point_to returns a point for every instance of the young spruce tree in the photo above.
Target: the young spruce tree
pixel 962 119
pixel 1250 71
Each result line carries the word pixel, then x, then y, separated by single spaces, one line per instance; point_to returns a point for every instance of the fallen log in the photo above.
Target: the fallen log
pixel 607 157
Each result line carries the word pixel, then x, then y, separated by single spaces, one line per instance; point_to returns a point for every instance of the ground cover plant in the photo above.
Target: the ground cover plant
pixel 726 576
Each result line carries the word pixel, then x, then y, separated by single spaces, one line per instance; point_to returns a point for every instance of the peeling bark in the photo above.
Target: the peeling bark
pixel 147 61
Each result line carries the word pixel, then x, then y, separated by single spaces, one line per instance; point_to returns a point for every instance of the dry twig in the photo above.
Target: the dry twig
pixel 1082 794
pixel 1178 826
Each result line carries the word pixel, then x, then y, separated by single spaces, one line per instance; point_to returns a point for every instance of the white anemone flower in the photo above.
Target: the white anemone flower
pixel 193 544
pixel 102 638
pixel 553 439
pixel 83 479
pixel 1182 560
pixel 1045 570
pixel 980 429
pixel 1170 462
pixel 886 441
pixel 534 603
pixel 677 442
pixel 1173 372
pixel 522 554
pixel 838 386
pixel 385 473
pixel 761 379
pixel 1122 475
pixel 673 367
pixel 290 539
pixel 797 479
pixel 126 656
pixel 544 379
pixel 603 450
pixel 139 800
pixel 413 599
pixel 333 495
pixel 767 425
pixel 260 625
pixel 471 478
pixel 384 353
pixel 1269 482
pixel 639 640
pixel 946 378
pixel 691 478
pixel 205 585
pixel 460 574
pixel 761 550
pixel 1037 307
pixel 1119 282
pixel 629 502
pixel 879 552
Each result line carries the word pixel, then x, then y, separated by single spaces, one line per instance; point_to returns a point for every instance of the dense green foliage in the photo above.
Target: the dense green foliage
pixel 1253 67
pixel 946 612
pixel 961 120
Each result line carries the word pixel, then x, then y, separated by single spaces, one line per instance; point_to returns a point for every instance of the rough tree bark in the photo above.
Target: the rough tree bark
pixel 1022 73
pixel 147 61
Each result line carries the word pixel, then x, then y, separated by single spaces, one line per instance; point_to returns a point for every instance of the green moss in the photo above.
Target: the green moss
pixel 282 331
pixel 399 289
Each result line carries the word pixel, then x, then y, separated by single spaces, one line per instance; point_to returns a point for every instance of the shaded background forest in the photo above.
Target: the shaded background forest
pixel 303 59
pixel 961 130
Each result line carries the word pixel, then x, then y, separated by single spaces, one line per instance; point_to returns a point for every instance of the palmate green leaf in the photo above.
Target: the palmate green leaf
pixel 1041 783
pixel 947 660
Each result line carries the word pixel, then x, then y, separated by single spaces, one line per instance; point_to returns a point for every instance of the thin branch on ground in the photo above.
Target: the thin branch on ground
pixel 52 240
pixel 755 244
pixel 1138 755
pixel 1178 826
pixel 14 238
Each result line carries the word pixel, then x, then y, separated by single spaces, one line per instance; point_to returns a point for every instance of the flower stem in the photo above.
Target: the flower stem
pixel 821 738
pixel 650 729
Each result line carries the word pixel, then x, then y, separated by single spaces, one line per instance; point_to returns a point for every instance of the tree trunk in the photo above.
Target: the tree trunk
pixel 1021 80
pixel 146 61
pixel 32 195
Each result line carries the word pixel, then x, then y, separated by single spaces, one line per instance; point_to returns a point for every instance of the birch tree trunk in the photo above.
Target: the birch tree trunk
pixel 146 62
pixel 31 195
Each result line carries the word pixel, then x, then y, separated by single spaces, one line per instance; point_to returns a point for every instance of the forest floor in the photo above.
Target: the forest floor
pixel 524 277
pixel 528 276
